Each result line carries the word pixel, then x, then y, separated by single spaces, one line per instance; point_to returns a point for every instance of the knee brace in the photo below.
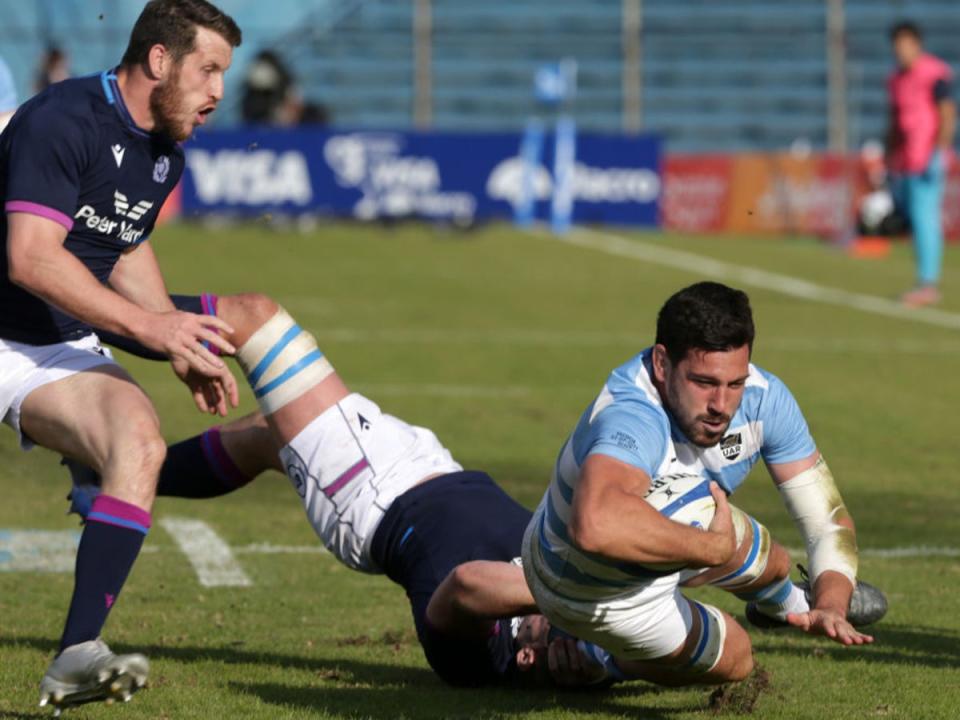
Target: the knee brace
pixel 281 362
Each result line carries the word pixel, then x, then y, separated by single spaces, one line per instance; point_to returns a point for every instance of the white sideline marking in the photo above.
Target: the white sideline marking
pixel 270 549
pixel 446 391
pixel 560 338
pixel 38 550
pixel 909 551
pixel 755 277
pixel 210 556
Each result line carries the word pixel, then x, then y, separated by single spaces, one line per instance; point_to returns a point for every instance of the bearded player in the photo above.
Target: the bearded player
pixel 84 168
pixel 692 404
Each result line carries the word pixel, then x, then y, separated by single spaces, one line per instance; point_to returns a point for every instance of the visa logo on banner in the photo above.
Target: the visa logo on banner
pixel 258 177
pixel 458 177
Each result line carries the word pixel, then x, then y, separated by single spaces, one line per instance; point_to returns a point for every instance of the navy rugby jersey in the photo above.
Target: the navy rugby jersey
pixel 73 154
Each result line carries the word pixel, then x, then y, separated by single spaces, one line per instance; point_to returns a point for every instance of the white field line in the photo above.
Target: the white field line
pixel 559 338
pixel 38 550
pixel 908 551
pixel 270 549
pixel 443 391
pixel 55 551
pixel 753 277
pixel 211 557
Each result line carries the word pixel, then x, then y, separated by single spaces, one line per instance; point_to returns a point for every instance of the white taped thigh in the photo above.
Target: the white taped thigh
pixel 712 637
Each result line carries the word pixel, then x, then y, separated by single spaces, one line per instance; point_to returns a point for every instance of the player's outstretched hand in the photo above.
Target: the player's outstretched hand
pixel 568 666
pixel 722 536
pixel 181 335
pixel 831 624
pixel 214 395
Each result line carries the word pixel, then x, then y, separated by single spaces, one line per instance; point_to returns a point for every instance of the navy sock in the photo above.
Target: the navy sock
pixel 199 467
pixel 111 540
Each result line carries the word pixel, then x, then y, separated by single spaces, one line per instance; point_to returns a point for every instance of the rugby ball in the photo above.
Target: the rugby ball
pixel 684 498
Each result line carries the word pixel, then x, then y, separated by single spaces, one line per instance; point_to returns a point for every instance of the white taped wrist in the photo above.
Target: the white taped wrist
pixel 814 503
pixel 281 362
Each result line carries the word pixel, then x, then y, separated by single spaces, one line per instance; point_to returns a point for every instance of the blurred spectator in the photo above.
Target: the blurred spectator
pixel 54 67
pixel 271 97
pixel 8 95
pixel 919 148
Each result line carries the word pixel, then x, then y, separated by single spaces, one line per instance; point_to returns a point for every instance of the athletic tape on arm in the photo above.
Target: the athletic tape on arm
pixel 281 362
pixel 814 503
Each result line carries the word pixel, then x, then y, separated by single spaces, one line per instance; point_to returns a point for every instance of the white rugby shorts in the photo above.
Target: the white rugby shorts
pixel 350 463
pixel 24 368
pixel 650 621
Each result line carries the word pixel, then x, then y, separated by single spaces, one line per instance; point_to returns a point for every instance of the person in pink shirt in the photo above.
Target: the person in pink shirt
pixel 919 148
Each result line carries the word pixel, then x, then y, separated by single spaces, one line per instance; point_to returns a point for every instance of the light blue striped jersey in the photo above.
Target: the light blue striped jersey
pixel 628 422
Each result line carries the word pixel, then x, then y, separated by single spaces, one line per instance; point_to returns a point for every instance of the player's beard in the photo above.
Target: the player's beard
pixel 167 108
pixel 692 425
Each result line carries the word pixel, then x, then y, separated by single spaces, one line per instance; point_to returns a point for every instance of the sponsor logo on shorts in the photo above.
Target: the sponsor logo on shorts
pixel 296 470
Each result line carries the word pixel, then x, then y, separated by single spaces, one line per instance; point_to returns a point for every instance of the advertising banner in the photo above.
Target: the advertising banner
pixel 776 194
pixel 455 177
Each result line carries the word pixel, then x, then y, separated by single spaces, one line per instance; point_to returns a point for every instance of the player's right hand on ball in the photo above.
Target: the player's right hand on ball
pixel 721 535
pixel 180 335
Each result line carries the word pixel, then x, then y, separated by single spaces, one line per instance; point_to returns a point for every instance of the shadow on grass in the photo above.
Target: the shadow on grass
pixel 388 702
pixel 353 688
pixel 895 644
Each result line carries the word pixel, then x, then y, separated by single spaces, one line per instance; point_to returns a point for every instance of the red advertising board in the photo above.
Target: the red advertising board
pixel 775 193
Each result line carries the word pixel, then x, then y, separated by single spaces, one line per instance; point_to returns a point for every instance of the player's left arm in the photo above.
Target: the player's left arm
pixel 810 495
pixel 947 112
pixel 475 594
pixel 137 277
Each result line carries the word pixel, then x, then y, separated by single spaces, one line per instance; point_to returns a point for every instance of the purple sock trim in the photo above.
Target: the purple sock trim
pixel 349 475
pixel 32 208
pixel 219 460
pixel 208 303
pixel 111 511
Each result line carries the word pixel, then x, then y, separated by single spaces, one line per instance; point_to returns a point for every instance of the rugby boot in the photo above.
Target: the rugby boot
pixel 90 672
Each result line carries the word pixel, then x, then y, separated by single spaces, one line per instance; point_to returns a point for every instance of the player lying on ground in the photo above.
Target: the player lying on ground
pixel 222 459
pixel 384 497
pixel 84 168
pixel 693 404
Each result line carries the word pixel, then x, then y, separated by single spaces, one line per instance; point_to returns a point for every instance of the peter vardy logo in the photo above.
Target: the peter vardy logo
pixel 124 229
pixel 161 169
pixel 122 206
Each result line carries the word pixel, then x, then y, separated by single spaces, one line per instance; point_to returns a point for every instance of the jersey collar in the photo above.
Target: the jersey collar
pixel 111 91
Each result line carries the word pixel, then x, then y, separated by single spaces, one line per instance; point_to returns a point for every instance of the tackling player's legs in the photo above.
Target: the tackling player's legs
pixel 101 417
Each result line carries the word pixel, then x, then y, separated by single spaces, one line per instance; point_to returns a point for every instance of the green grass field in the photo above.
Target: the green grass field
pixel 497 340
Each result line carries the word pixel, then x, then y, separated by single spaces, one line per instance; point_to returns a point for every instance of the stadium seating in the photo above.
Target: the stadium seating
pixel 737 75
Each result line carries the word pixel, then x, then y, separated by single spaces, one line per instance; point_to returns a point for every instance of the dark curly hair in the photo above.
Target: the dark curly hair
pixel 705 316
pixel 173 24
pixel 906 27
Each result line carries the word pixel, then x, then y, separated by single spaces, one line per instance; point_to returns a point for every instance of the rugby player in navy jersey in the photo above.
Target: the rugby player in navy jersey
pixel 84 169
pixel 383 496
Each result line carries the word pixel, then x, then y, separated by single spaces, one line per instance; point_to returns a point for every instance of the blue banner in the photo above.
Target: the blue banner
pixel 456 177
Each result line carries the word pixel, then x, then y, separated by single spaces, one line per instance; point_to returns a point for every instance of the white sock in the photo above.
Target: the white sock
pixel 795 602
